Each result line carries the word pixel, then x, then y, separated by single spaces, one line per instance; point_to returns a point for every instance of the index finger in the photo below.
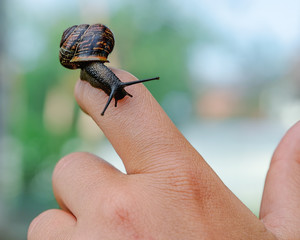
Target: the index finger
pixel 139 130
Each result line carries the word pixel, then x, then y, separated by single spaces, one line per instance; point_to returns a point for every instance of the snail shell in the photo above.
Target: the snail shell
pixel 84 43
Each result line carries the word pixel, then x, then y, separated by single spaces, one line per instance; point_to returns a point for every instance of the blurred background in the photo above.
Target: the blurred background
pixel 230 81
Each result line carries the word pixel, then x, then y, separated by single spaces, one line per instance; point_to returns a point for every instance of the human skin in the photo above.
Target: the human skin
pixel 169 191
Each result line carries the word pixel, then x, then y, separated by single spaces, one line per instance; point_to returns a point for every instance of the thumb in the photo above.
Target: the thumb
pixel 280 207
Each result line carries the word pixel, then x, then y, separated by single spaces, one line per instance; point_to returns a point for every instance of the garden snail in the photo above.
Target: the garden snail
pixel 86 47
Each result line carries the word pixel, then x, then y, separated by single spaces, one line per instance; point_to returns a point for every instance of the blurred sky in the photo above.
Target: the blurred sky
pixel 247 20
pixel 245 23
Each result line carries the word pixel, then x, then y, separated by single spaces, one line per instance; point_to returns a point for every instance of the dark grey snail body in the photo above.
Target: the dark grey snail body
pixel 87 47
pixel 100 76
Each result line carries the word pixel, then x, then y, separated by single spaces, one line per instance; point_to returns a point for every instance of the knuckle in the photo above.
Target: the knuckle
pixel 187 184
pixel 122 208
pixel 122 216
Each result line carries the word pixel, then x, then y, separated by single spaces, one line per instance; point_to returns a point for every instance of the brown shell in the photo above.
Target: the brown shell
pixel 85 43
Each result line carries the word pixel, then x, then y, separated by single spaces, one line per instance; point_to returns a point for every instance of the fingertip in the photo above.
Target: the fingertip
pixel 123 75
pixel 280 201
pixel 91 99
pixel 138 128
pixel 78 179
pixel 85 94
pixel 294 132
pixel 289 147
pixel 50 224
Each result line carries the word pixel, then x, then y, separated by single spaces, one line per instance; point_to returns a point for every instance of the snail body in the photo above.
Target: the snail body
pixel 87 47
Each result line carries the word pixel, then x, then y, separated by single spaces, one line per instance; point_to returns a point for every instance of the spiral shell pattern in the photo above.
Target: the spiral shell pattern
pixel 83 43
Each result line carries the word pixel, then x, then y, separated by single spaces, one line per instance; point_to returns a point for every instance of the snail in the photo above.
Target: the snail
pixel 87 47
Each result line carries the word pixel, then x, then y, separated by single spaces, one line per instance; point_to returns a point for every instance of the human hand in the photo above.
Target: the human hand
pixel 169 191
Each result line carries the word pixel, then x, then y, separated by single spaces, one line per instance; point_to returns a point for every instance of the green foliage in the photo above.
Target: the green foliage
pixel 26 123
